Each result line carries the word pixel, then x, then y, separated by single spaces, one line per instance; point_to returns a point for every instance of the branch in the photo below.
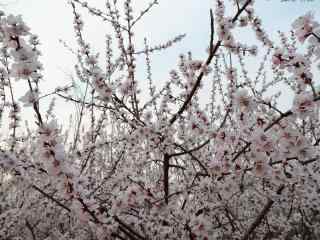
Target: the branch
pixel 208 61
pixel 166 167
pixel 186 151
pixel 195 87
pixel 261 216
pixel 51 198
pixel 129 229
pixel 282 116
pixel 28 225
pixel 36 106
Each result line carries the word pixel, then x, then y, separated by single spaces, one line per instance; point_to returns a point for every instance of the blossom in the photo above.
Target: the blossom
pixel 262 142
pixel 199 65
pixel 297 146
pixel 29 98
pixel 261 167
pixel 24 54
pixel 243 21
pixel 278 58
pixel 14 26
pixel 105 90
pixel 304 26
pixel 23 70
pixel 216 166
pixel 304 105
pixel 8 160
pixel 231 74
pixel 243 101
pixel 298 64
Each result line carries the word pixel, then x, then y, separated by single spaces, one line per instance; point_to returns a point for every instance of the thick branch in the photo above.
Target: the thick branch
pixel 262 214
pixel 166 167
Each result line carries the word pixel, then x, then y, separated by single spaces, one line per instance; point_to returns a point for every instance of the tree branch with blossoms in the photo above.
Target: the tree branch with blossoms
pixel 171 165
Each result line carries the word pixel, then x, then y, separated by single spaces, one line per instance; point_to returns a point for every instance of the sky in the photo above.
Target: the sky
pixel 52 20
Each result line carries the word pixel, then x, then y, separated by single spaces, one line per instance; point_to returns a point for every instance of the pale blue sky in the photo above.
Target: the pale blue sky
pixel 52 20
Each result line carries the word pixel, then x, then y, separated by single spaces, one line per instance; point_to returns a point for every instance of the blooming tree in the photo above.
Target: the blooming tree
pixel 166 166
